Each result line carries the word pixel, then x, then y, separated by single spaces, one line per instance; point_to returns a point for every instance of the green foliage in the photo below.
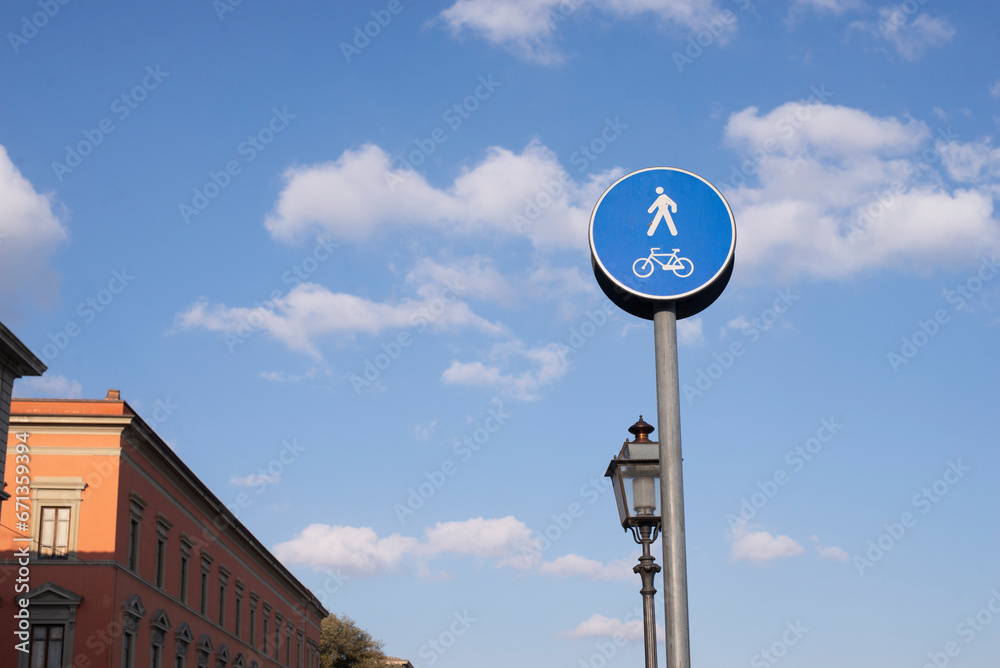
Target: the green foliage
pixel 345 645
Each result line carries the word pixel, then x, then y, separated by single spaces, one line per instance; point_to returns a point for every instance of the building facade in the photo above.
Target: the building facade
pixel 125 559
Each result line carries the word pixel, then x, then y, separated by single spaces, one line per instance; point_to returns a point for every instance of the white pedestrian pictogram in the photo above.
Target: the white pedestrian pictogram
pixel 663 206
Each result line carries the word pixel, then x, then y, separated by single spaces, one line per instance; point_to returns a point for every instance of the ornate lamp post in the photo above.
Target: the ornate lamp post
pixel 635 476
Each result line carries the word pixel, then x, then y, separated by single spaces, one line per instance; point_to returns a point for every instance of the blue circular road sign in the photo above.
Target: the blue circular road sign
pixel 661 235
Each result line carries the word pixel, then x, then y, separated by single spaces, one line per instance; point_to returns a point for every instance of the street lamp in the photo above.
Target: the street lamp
pixel 635 476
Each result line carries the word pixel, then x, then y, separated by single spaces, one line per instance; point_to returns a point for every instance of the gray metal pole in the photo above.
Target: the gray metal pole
pixel 668 410
pixel 647 569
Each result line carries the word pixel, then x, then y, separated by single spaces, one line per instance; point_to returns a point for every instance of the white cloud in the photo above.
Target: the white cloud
pixel 995 89
pixel 425 573
pixel 546 280
pixel 573 565
pixel 362 192
pixel 527 27
pixel 548 364
pixel 30 232
pixel 800 129
pixel 478 537
pixel 832 553
pixel 567 287
pixel 475 277
pixel 940 114
pixel 760 546
pixel 630 327
pixel 842 192
pixel 356 550
pixel 524 26
pixel 478 277
pixel 422 432
pixel 350 196
pixel 910 38
pixel 255 479
pixel 505 541
pixel 739 322
pixel 971 162
pixel 689 331
pixel 836 7
pixel 359 550
pixel 283 377
pixel 689 14
pixel 599 626
pixel 310 311
pixel 47 387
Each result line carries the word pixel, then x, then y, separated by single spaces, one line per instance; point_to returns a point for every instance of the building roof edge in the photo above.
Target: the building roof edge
pixel 24 361
pixel 132 423
pixel 140 426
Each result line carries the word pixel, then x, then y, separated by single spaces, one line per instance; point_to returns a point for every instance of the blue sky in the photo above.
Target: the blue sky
pixel 347 275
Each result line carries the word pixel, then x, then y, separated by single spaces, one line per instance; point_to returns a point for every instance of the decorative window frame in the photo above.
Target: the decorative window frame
pixel 278 619
pixel 264 629
pixel 312 652
pixel 182 640
pixel 132 614
pixel 252 636
pixel 238 608
pixel 184 579
pixel 62 491
pixel 159 626
pixel 223 590
pixel 135 507
pixel 162 534
pixel 52 604
pixel 222 656
pixel 204 577
pixel 203 650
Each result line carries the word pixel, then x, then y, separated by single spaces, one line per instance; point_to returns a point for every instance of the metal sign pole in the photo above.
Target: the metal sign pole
pixel 668 409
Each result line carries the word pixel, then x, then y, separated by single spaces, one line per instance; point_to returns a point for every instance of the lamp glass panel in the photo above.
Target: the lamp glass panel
pixel 619 487
pixel 642 487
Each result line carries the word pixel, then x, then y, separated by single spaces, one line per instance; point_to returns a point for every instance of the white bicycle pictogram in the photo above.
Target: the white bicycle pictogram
pixel 681 266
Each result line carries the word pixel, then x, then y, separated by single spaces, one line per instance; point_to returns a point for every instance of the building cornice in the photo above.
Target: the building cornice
pixel 104 425
pixel 16 355
pixel 81 451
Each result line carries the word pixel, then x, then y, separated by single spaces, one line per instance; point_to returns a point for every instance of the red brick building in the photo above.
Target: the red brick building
pixel 133 562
